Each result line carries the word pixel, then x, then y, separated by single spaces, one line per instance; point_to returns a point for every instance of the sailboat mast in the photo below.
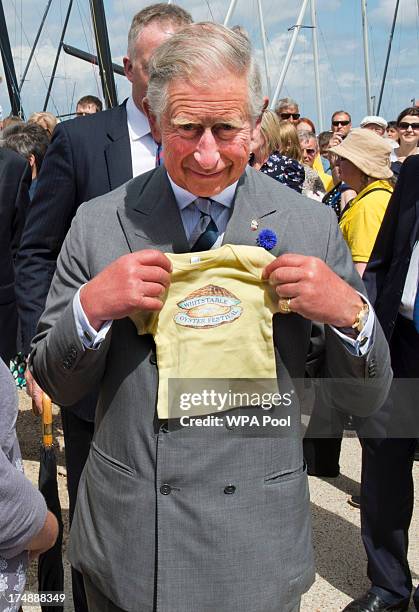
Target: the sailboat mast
pixel 103 53
pixel 230 12
pixel 388 56
pixel 265 51
pixel 366 56
pixel 296 30
pixel 9 67
pixel 316 65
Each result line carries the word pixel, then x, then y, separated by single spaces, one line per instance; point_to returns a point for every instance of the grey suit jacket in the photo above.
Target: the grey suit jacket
pixel 155 526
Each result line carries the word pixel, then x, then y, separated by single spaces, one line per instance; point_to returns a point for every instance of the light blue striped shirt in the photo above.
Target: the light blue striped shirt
pixel 220 209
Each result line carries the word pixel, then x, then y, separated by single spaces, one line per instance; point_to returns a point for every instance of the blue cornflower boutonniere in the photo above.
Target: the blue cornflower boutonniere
pixel 267 239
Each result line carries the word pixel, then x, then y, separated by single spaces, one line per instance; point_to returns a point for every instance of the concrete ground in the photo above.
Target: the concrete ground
pixel 340 556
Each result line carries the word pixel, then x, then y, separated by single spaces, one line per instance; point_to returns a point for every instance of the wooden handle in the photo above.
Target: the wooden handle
pixel 46 420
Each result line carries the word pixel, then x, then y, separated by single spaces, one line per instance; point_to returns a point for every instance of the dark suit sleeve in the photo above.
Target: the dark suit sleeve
pixel 15 180
pixel 48 220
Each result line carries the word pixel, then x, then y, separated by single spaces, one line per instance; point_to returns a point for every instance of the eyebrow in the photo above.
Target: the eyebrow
pixel 180 121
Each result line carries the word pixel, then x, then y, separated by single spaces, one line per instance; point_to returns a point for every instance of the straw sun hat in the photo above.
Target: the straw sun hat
pixel 367 151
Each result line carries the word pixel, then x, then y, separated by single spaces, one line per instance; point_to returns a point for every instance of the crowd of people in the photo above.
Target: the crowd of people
pixel 107 219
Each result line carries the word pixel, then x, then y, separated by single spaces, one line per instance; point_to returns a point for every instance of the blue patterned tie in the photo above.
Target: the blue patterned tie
pixel 416 311
pixel 205 232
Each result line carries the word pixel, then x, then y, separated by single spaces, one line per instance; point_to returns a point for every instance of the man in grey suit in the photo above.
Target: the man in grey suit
pixel 184 519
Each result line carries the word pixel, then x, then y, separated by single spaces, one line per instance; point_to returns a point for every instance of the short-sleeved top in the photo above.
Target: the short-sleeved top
pixel 361 222
pixel 22 507
pixel 216 322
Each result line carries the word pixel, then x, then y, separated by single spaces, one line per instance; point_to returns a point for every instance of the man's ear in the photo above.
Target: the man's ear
pixel 31 160
pixel 128 68
pixel 152 120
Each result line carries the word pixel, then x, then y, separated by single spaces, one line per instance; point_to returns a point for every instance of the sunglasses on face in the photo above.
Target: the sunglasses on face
pixel 288 115
pixel 404 125
pixel 336 123
pixel 309 152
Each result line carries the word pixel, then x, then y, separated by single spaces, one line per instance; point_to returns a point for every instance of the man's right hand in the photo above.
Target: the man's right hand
pixel 34 391
pixel 136 281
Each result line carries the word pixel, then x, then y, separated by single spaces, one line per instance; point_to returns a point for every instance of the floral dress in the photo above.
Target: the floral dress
pixel 286 170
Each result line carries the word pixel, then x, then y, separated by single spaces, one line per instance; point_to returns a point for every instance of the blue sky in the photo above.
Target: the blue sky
pixel 339 36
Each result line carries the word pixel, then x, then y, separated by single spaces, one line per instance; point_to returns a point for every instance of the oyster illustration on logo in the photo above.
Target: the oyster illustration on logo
pixel 208 307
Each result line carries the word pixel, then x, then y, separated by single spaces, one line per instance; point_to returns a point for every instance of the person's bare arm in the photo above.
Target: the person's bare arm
pixel 45 538
pixel 360 267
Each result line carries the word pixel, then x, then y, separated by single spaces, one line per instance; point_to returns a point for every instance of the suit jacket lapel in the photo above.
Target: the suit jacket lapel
pixel 118 151
pixel 150 217
pixel 252 204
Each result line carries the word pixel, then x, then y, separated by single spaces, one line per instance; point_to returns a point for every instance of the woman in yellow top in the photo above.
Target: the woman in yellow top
pixel 364 159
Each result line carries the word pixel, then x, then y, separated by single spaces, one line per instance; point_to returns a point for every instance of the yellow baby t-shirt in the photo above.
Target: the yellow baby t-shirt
pixel 216 322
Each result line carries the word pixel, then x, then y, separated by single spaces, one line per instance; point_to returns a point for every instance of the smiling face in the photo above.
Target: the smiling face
pixel 206 133
pixel 407 133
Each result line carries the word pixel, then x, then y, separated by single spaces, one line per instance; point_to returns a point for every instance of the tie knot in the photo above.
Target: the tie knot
pixel 203 204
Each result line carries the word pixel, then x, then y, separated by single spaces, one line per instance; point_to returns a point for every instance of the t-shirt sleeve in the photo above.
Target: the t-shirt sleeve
pixel 22 510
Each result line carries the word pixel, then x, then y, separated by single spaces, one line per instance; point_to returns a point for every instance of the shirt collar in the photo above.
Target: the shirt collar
pixel 184 197
pixel 138 125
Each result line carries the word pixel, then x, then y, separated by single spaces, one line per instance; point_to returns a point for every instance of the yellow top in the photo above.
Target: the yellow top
pixel 216 321
pixel 326 179
pixel 362 220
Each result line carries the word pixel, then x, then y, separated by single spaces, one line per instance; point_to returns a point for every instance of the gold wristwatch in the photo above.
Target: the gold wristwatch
pixel 361 318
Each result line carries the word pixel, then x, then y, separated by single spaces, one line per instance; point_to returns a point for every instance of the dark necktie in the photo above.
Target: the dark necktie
pixel 205 233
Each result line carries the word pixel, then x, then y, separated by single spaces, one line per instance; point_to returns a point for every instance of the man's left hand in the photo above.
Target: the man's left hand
pixel 313 290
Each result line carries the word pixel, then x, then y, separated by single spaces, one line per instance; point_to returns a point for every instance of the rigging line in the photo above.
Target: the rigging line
pixel 209 8
pixel 38 34
pixel 57 56
pixel 84 19
pixel 331 67
pixel 36 61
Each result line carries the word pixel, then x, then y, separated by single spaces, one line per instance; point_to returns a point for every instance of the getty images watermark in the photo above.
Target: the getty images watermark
pixel 215 401
pixel 238 405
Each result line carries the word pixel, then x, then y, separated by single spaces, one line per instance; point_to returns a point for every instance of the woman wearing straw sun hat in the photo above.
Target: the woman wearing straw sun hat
pixel 364 159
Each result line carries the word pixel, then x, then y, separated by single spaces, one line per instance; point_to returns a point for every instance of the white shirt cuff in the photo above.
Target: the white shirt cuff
pixel 90 338
pixel 360 345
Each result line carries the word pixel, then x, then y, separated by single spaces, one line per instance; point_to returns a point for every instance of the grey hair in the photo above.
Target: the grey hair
pixel 284 102
pixel 199 53
pixel 155 13
pixel 306 136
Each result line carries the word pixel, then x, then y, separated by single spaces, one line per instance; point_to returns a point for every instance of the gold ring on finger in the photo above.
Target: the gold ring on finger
pixel 284 305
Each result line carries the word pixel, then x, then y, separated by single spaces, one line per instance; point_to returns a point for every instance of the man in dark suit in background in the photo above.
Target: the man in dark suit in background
pixel 15 181
pixel 88 157
pixel 387 498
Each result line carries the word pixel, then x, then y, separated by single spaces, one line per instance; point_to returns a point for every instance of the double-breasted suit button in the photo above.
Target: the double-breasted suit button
pixel 229 489
pixel 66 364
pixel 73 351
pixel 165 489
